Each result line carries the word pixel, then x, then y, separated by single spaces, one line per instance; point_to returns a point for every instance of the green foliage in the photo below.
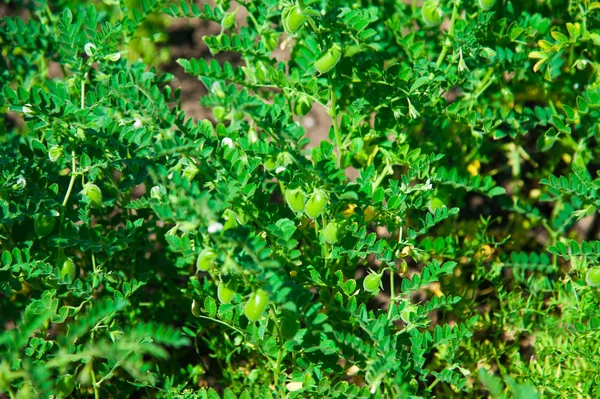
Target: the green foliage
pixel 460 172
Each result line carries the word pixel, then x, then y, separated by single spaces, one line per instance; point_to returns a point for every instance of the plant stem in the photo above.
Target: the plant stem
pixel 450 33
pixel 93 374
pixel 280 355
pixel 95 271
pixel 385 172
pixel 277 371
pixel 72 181
pixel 336 129
pixel 74 164
pixel 83 91
pixel 392 293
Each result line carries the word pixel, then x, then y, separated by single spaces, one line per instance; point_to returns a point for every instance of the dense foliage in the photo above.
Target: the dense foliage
pixel 440 242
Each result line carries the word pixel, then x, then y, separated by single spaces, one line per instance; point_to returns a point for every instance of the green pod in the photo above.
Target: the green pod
pixel 372 283
pixel 292 19
pixel 295 199
pixel 224 293
pixel 195 308
pixel 431 13
pixel 205 260
pixel 332 232
pixel 592 277
pixel 487 5
pixel 67 269
pixel 329 59
pixel 316 204
pixel 43 225
pixel 256 305
pixel 228 20
pixel 94 195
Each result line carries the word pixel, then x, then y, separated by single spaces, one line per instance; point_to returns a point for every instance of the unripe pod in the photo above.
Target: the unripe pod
pixel 224 293
pixel 43 225
pixel 292 19
pixel 228 20
pixel 94 194
pixel 205 259
pixel 431 13
pixel 487 5
pixel 295 199
pixel 329 59
pixel 316 204
pixel 592 277
pixel 68 269
pixel 256 305
pixel 372 283
pixel 195 308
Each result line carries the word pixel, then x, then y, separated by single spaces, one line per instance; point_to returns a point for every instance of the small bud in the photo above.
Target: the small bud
pixel 80 134
pixel 488 52
pixel 284 158
pixel 412 111
pixel 461 63
pixel 195 308
pixel 428 186
pixel 27 110
pixel 581 64
pixel 294 386
pixel 214 227
pixel 190 172
pixel 54 153
pixel 114 57
pixel 89 49
pixel 155 192
pixel 228 20
pixel 187 227
pixel 252 135
pixel 227 142
pixel 138 124
pixel 217 90
pixel 20 184
pixel 93 194
pixel 172 231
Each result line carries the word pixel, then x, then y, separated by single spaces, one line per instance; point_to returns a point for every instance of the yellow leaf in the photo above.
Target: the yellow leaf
pixel 537 54
pixel 538 65
pixel 545 45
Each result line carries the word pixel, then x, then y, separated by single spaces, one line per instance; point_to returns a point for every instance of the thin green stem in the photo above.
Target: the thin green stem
pixel 277 372
pixel 74 161
pixel 334 119
pixel 254 21
pixel 280 355
pixel 221 322
pixel 83 92
pixel 317 236
pixel 72 181
pixel 392 294
pixel 94 384
pixel 95 271
pixel 109 374
pixel 485 83
pixel 385 172
pixel 450 33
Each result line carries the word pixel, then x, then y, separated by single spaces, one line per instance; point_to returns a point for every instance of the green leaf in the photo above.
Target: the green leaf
pixel 210 306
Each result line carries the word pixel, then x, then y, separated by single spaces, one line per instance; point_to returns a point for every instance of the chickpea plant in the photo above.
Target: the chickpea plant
pixel 440 241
